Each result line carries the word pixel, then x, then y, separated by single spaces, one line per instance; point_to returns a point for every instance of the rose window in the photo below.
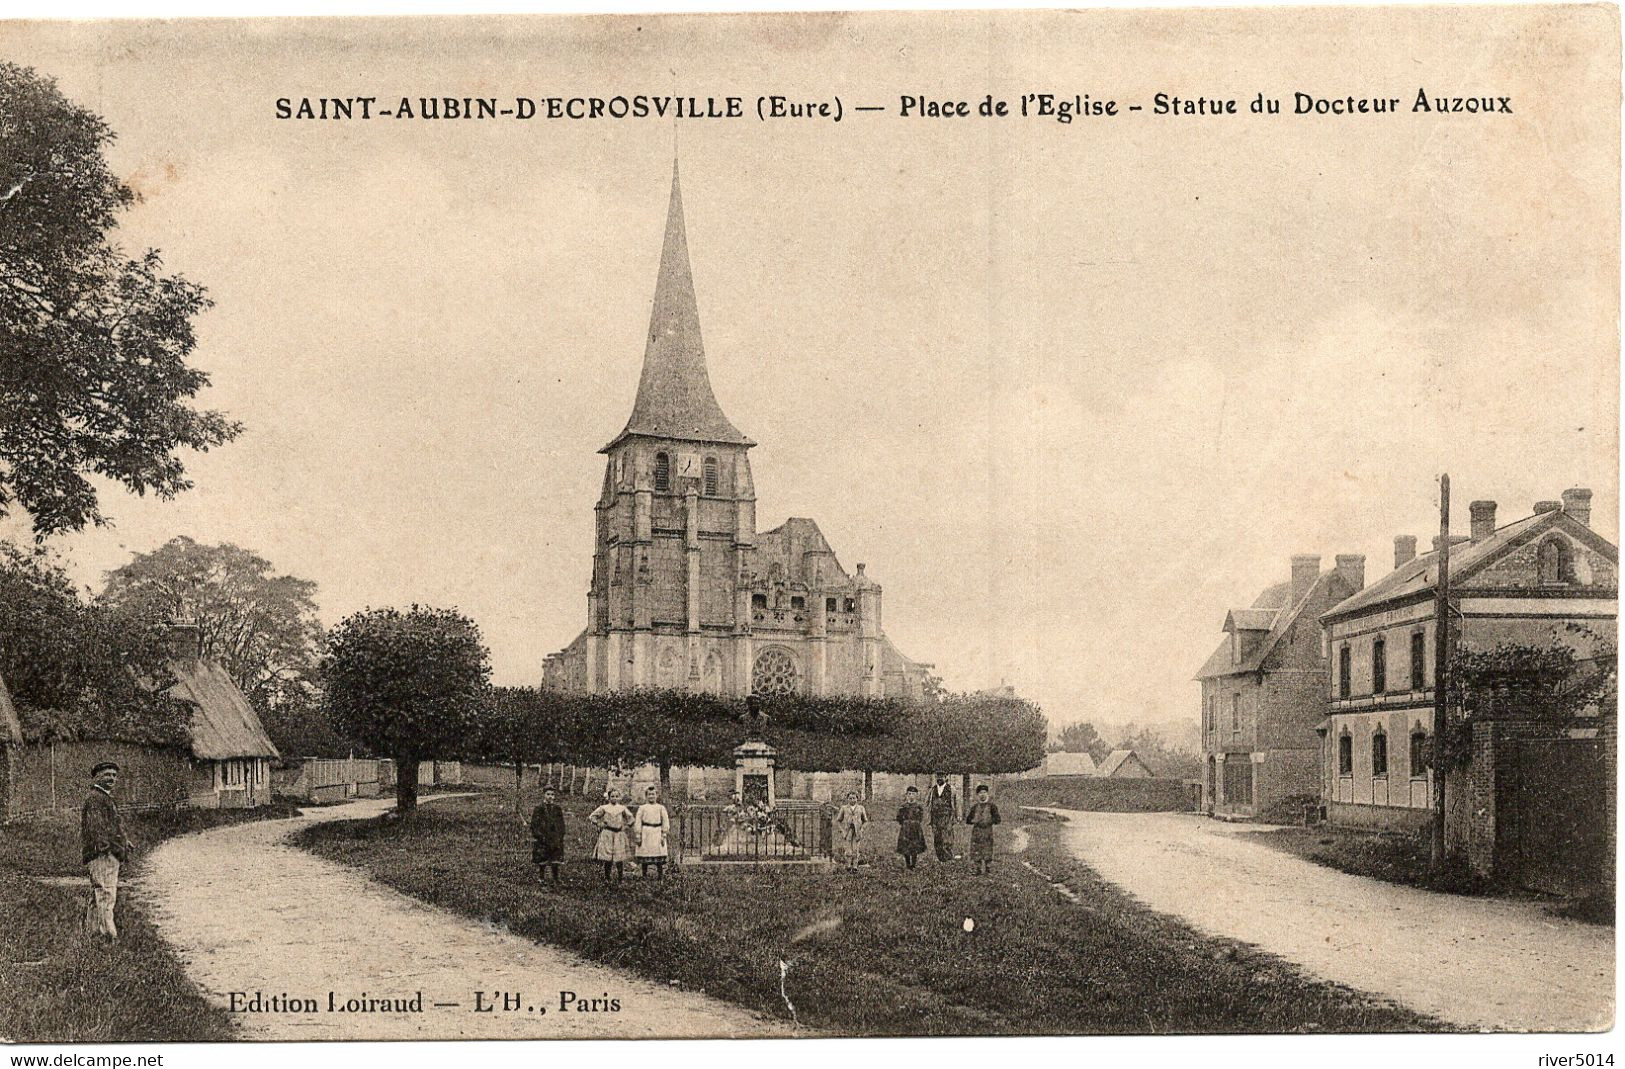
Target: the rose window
pixel 775 673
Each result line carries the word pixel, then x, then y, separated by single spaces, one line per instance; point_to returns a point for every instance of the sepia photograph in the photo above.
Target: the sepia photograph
pixel 792 526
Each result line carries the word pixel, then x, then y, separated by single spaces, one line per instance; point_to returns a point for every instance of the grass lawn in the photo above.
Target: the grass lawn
pixel 1406 859
pixel 882 951
pixel 54 985
pixel 1389 856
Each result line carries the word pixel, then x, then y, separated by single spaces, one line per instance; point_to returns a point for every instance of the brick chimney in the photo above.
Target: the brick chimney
pixel 1543 507
pixel 1577 503
pixel 1404 550
pixel 1483 513
pixel 1351 567
pixel 1305 570
pixel 183 642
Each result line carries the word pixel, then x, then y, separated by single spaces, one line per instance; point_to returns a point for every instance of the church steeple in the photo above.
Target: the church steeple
pixel 674 394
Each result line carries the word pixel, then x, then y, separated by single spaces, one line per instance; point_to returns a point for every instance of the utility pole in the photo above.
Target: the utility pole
pixel 1441 661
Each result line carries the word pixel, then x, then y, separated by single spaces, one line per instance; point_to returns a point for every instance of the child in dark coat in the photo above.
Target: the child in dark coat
pixel 911 827
pixel 547 835
pixel 981 817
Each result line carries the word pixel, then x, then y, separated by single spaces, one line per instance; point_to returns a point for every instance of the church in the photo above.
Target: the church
pixel 685 592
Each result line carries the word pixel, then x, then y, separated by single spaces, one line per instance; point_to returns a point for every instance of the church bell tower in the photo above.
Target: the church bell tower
pixel 676 520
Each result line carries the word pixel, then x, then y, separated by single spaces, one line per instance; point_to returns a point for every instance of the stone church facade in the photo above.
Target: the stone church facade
pixel 685 592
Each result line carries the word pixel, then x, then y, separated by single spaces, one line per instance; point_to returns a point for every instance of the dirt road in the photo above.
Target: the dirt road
pixel 250 914
pixel 1482 963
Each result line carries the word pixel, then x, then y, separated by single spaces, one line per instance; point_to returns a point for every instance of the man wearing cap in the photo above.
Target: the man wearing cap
pixel 105 848
pixel 944 810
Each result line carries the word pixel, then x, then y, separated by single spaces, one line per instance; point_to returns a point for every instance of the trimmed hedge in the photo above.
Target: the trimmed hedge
pixel 1103 795
pixel 667 728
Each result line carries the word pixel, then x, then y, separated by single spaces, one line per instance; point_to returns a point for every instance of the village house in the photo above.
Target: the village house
pixel 231 754
pixel 225 763
pixel 1530 804
pixel 1263 693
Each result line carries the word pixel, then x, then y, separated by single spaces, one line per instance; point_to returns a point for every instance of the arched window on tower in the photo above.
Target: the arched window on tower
pixel 710 476
pixel 662 471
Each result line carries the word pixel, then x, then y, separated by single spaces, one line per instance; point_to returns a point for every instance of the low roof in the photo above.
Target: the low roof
pixel 1066 763
pixel 1116 760
pixel 893 659
pixel 224 725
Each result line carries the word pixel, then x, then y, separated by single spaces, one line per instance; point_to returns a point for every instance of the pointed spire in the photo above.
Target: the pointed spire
pixel 674 395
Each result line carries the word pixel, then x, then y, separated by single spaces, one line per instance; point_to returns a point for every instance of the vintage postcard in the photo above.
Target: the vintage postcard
pixel 805 525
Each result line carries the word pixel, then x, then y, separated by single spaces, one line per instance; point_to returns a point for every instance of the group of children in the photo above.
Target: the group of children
pixel 624 834
pixel 643 834
pixel 852 818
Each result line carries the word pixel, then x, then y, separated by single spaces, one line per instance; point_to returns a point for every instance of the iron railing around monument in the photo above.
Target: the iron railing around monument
pixel 795 830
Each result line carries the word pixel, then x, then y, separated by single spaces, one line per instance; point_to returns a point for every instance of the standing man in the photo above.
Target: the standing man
pixel 944 809
pixel 104 848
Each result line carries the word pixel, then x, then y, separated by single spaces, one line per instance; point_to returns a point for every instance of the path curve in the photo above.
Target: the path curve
pixel 247 912
pixel 1488 964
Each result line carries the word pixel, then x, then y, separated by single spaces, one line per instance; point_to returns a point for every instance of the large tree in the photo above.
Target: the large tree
pixel 78 670
pixel 261 627
pixel 94 378
pixel 1081 737
pixel 411 685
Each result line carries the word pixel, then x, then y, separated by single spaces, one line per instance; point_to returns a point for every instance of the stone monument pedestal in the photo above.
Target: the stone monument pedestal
pixel 753 772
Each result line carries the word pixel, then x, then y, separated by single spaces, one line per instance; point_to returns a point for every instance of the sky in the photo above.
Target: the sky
pixel 1071 391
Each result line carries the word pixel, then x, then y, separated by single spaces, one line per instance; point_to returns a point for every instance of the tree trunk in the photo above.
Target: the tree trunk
pixel 665 780
pixel 964 790
pixel 868 786
pixel 518 787
pixel 406 784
